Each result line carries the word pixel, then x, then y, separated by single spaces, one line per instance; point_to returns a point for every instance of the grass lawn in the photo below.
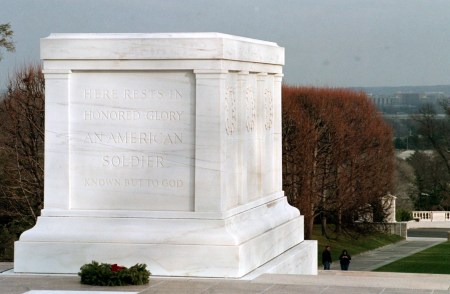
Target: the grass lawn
pixel 434 260
pixel 353 246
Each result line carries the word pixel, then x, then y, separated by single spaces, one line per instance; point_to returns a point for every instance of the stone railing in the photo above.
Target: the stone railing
pixel 436 216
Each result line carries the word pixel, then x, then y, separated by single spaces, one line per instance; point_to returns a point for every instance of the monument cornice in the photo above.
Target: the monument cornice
pixel 180 46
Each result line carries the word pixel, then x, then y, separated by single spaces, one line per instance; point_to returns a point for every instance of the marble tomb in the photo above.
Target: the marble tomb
pixel 164 149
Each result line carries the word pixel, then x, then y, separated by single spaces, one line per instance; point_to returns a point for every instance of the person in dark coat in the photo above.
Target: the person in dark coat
pixel 326 258
pixel 344 259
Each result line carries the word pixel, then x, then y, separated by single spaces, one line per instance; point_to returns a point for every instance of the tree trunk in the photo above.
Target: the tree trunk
pixel 338 228
pixel 323 222
pixel 309 226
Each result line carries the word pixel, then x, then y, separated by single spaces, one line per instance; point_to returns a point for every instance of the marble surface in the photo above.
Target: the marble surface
pixel 132 140
pixel 178 46
pixel 163 149
pixel 180 247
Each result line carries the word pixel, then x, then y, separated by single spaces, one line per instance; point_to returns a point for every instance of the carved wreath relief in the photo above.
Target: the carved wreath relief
pixel 268 109
pixel 250 109
pixel 230 111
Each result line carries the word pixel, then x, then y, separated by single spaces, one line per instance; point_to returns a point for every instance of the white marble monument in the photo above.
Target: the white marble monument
pixel 164 149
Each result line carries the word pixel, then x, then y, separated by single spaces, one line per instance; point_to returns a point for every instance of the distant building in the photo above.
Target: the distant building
pixel 402 101
pixel 411 99
pixel 433 97
pixel 382 100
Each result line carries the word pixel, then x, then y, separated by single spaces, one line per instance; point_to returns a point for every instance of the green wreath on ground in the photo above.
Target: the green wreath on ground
pixel 105 274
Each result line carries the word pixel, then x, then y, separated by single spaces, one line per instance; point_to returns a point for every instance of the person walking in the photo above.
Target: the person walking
pixel 344 259
pixel 326 258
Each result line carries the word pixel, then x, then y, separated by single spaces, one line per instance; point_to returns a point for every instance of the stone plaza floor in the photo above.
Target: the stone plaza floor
pixel 329 282
pixel 358 281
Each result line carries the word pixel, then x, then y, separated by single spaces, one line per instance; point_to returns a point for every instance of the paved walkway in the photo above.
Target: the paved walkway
pixel 371 260
pixel 326 282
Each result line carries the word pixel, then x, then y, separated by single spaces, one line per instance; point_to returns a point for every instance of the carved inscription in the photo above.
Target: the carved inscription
pixel 115 94
pixel 132 138
pixel 132 161
pixel 132 115
pixel 130 182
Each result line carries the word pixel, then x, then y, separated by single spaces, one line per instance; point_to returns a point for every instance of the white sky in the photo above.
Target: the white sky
pixel 328 42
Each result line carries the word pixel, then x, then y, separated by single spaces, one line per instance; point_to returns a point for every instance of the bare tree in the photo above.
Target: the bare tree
pixel 436 131
pixel 404 183
pixel 22 146
pixel 338 155
pixel 432 180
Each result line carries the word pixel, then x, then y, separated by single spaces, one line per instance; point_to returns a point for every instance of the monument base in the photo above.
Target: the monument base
pixel 300 260
pixel 229 247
